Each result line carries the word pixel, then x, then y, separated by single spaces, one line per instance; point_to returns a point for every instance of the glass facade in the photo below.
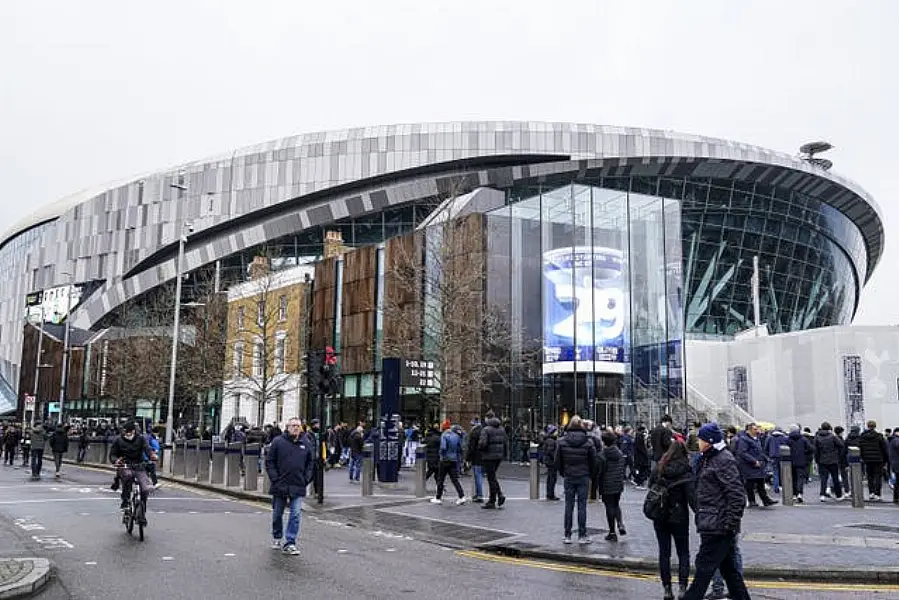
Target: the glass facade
pixel 591 277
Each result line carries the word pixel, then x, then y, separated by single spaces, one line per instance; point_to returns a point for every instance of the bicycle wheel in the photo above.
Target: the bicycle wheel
pixel 129 522
pixel 141 519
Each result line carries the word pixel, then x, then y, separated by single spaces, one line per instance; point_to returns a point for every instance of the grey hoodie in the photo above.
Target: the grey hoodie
pixel 38 437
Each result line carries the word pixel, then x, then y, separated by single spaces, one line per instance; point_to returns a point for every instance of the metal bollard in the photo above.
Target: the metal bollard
pixel 180 467
pixel 533 459
pixel 203 458
pixel 251 466
pixel 232 464
pixel 786 476
pixel 855 474
pixel 368 470
pixel 421 470
pixel 217 474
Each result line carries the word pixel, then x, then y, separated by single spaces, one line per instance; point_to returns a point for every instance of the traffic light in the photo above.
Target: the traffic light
pixel 322 372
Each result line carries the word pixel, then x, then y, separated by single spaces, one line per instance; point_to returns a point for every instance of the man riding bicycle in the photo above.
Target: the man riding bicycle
pixel 128 450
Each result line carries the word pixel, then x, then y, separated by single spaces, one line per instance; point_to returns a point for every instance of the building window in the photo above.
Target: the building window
pixel 258 353
pixel 236 408
pixel 238 360
pixel 282 308
pixel 241 314
pixel 260 312
pixel 280 351
pixel 279 407
pixel 853 390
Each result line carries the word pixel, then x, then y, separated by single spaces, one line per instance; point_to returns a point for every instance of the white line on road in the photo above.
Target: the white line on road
pixel 168 558
pixel 107 499
pixel 230 554
pixel 90 563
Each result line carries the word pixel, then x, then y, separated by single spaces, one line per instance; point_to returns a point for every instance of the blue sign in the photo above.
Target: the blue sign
pixel 583 309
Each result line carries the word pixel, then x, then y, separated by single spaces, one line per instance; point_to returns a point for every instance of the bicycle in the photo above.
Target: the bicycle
pixel 136 513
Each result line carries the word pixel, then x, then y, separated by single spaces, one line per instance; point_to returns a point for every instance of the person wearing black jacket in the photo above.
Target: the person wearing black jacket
pixel 801 455
pixel 660 438
pixel 576 461
pixel 550 443
pixel 493 444
pixel 641 458
pixel 127 450
pixel 873 451
pixel 675 474
pixel 720 501
pixel 610 479
pixel 432 452
pixel 59 444
pixel 828 448
pixel 290 464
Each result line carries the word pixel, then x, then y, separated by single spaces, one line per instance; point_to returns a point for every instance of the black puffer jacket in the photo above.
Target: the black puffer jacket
pixel 720 495
pixel 493 441
pixel 473 452
pixel 550 444
pixel 678 478
pixel 432 448
pixel 610 478
pixel 59 441
pixel 872 447
pixel 827 448
pixel 575 454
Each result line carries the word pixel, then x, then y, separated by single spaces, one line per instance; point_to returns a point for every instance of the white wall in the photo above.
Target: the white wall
pixel 798 377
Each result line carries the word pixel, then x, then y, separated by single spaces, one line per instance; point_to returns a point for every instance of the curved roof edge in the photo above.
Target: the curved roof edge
pixel 717 148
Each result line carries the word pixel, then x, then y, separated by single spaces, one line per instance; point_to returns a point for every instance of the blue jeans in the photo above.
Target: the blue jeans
pixel 775 470
pixel 279 503
pixel 355 467
pixel 576 488
pixel 478 472
pixel 37 461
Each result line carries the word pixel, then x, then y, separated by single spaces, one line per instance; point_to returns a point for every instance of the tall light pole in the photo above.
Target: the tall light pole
pixel 176 334
pixel 37 364
pixel 64 378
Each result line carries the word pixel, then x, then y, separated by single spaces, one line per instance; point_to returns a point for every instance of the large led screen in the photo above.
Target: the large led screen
pixel 584 309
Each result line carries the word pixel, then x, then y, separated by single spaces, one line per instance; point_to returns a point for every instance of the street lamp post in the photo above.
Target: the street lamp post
pixel 64 378
pixel 37 366
pixel 176 334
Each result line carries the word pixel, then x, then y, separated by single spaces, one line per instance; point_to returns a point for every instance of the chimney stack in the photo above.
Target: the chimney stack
pixel 260 267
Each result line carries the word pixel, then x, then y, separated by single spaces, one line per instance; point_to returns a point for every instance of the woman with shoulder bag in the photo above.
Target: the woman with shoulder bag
pixel 674 472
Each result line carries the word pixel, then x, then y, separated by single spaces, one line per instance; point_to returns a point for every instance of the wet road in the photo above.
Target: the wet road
pixel 200 545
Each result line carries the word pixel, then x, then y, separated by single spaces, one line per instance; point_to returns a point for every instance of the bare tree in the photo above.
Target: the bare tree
pixel 258 337
pixel 436 309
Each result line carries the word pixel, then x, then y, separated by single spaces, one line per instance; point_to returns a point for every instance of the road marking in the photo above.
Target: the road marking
pixel 90 563
pixel 600 572
pixel 28 524
pixel 388 510
pixel 107 499
pixel 84 514
pixel 391 549
pixel 342 551
pixel 168 558
pixel 230 554
pixel 50 542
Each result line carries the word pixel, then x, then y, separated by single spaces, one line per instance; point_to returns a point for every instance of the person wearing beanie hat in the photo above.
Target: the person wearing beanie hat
pixel 451 448
pixel 445 425
pixel 720 499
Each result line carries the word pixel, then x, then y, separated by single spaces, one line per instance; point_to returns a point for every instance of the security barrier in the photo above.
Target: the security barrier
pixel 251 467
pixel 233 458
pixel 217 474
pixel 203 451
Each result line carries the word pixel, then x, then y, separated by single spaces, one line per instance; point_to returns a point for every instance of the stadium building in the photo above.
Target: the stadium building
pixel 609 246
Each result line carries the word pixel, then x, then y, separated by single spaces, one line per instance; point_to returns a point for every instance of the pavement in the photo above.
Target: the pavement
pixel 206 544
pixel 811 542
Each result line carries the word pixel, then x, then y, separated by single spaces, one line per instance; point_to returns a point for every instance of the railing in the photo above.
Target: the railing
pixel 728 414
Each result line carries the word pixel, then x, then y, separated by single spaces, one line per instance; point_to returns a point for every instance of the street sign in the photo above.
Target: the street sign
pixel 418 373
pixel 29 402
pixel 54 407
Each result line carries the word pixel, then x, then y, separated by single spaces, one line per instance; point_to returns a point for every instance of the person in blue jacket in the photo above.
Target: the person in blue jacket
pixel 290 464
pixel 153 443
pixel 450 454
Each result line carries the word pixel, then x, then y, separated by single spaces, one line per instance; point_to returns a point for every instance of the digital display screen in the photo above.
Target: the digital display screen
pixel 584 309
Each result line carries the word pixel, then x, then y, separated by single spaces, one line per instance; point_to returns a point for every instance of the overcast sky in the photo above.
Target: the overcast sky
pixel 95 91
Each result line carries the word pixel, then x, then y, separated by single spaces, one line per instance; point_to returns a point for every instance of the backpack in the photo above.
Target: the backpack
pixel 655 505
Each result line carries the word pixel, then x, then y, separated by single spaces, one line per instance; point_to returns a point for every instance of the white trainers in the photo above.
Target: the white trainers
pixel 436 501
pixel 823 498
pixel 291 549
pixel 276 543
pixel 462 501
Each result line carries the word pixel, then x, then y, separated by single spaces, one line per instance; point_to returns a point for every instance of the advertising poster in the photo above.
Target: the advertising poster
pixel 584 310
